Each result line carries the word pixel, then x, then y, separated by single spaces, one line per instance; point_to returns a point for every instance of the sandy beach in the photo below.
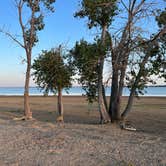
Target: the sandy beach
pixel 81 141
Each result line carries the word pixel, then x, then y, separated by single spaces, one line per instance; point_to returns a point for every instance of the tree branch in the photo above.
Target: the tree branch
pixel 159 34
pixel 12 38
pixel 19 7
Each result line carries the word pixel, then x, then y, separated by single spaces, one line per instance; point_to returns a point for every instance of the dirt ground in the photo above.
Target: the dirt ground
pixel 81 141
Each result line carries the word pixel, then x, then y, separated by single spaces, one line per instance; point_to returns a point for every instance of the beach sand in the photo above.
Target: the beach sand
pixel 81 141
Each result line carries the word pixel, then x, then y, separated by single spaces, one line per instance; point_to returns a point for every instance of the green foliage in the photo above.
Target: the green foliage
pixel 97 13
pixel 50 71
pixel 36 22
pixel 161 61
pixel 151 61
pixel 88 57
pixel 144 67
pixel 85 58
pixel 161 18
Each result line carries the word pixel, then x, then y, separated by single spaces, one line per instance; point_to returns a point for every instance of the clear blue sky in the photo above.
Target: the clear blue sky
pixel 60 27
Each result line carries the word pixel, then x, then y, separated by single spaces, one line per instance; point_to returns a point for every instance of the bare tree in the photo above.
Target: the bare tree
pixel 124 46
pixel 29 28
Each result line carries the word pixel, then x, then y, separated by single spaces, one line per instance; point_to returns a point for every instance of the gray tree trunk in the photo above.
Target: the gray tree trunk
pixel 113 109
pixel 104 116
pixel 134 86
pixel 129 104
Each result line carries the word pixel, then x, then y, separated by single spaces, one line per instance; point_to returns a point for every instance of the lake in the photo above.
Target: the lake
pixel 12 91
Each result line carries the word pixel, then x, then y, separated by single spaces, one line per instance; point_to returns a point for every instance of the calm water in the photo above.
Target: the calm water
pixel 7 91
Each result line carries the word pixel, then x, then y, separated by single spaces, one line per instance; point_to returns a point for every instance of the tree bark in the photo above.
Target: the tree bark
pixel 114 96
pixel 60 105
pixel 134 86
pixel 129 104
pixel 105 98
pixel 123 68
pixel 27 111
pixel 104 116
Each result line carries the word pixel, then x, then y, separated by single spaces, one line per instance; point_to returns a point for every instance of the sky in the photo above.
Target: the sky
pixel 60 27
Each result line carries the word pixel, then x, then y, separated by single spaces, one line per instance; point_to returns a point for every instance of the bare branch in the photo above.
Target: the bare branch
pixel 158 35
pixel 138 7
pixel 12 38
pixel 125 5
pixel 32 23
pixel 19 7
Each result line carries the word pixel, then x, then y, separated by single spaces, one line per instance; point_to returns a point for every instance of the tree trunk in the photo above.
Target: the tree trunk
pixel 129 104
pixel 104 116
pixel 60 105
pixel 119 64
pixel 105 98
pixel 121 82
pixel 27 111
pixel 134 86
pixel 113 109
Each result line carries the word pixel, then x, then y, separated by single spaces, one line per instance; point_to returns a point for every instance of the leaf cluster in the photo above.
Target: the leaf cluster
pixel 50 71
pixel 97 13
pixel 36 22
pixel 85 58
pixel 145 67
pixel 161 18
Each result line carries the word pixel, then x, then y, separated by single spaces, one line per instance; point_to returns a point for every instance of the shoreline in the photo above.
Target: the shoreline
pixel 74 95
pixel 78 91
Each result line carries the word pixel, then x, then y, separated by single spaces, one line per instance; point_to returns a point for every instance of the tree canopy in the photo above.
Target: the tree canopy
pixel 98 14
pixel 51 72
pixel 135 58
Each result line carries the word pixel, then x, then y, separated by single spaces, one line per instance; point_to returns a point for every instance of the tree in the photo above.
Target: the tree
pixel 52 74
pixel 85 56
pixel 132 51
pixel 99 16
pixel 151 63
pixel 85 59
pixel 30 25
pixel 161 20
pixel 133 56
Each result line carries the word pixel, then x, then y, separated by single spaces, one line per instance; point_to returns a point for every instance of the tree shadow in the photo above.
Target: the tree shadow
pixel 8 113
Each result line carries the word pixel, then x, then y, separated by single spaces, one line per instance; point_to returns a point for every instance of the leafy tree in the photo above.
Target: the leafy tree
pixel 30 25
pixel 85 56
pixel 134 58
pixel 153 57
pixel 161 19
pixel 52 74
pixel 99 16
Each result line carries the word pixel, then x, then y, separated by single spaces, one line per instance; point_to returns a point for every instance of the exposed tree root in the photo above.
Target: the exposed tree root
pixel 60 119
pixel 22 118
pixel 126 126
pixel 105 121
